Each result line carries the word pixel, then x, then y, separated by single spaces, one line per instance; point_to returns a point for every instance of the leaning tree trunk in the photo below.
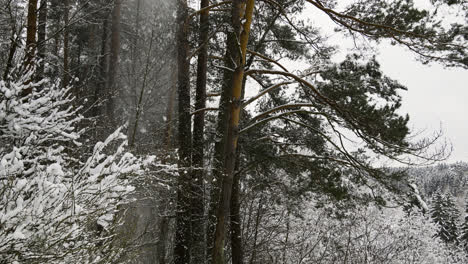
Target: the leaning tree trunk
pixel 183 213
pixel 242 12
pixel 11 54
pixel 198 236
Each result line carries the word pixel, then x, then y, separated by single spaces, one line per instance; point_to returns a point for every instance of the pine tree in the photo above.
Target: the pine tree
pixel 452 220
pixel 445 214
pixel 464 229
pixel 437 212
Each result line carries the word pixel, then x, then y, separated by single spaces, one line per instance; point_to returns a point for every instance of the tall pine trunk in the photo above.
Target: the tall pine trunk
pixel 134 62
pixel 100 88
pixel 163 221
pixel 198 232
pixel 169 123
pixel 242 12
pixel 113 62
pixel 219 155
pixel 183 214
pixel 30 43
pixel 66 73
pixel 236 231
pixel 31 33
pixel 41 37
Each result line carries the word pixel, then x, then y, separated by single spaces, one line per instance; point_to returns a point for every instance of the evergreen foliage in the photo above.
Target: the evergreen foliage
pixel 445 214
pixel 464 229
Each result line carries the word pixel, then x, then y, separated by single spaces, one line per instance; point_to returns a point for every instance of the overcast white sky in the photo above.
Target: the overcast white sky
pixel 435 97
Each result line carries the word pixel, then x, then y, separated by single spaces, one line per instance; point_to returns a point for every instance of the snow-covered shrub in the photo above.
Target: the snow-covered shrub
pixel 359 235
pixel 55 207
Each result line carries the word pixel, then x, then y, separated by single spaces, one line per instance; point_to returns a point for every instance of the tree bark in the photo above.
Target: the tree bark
pixel 31 33
pixel 237 250
pixel 134 62
pixel 183 214
pixel 257 224
pixel 100 88
pixel 66 73
pixel 11 54
pixel 41 37
pixel 219 152
pixel 198 233
pixel 14 40
pixel 242 12
pixel 169 128
pixel 113 63
pixel 168 147
pixel 288 227
pixel 139 106
pixel 163 237
pixel 236 232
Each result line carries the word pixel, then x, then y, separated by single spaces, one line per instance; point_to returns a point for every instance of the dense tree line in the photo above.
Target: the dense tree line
pixel 265 170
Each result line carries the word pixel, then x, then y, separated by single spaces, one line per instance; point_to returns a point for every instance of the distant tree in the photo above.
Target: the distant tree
pixel 464 229
pixel 453 218
pixel 445 214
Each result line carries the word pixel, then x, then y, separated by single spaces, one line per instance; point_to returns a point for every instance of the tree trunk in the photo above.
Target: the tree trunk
pixel 219 154
pixel 257 224
pixel 168 147
pixel 11 54
pixel 237 250
pixel 236 232
pixel 288 227
pixel 113 63
pixel 169 128
pixel 41 37
pixel 134 76
pixel 139 106
pixel 183 214
pixel 162 239
pixel 198 234
pixel 31 33
pixel 219 148
pixel 242 12
pixel 100 88
pixel 135 42
pixel 66 73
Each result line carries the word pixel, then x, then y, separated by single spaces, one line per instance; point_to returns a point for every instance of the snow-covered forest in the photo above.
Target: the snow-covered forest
pixel 215 132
